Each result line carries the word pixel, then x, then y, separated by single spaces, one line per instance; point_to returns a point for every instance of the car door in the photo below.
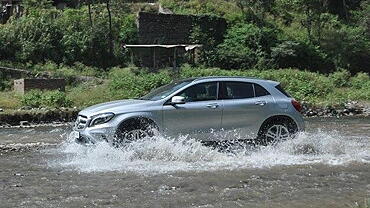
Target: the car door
pixel 243 109
pixel 200 115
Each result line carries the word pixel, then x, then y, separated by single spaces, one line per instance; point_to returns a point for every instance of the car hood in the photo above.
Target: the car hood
pixel 116 107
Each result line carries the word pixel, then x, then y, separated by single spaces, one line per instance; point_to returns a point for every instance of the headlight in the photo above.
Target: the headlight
pixel 101 118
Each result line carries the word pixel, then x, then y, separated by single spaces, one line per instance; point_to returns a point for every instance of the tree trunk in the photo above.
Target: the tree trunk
pixel 345 10
pixel 110 29
pixel 89 7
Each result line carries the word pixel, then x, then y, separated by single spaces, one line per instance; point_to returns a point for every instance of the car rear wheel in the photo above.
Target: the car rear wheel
pixel 276 131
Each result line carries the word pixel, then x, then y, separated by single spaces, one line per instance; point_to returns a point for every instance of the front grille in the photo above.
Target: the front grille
pixel 81 122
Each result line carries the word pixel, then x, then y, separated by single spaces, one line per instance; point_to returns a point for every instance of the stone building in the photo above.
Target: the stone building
pixel 162 38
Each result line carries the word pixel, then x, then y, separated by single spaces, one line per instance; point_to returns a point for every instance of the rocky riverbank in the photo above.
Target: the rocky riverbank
pixel 28 117
pixel 352 108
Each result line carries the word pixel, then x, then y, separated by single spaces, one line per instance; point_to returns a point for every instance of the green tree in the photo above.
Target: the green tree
pixel 246 46
pixel 40 4
pixel 38 37
pixel 255 10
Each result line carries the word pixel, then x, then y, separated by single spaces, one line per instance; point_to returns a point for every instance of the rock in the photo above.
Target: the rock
pixel 311 113
pixel 25 124
pixel 354 107
pixel 340 113
pixel 16 185
pixel 1 110
pixel 26 108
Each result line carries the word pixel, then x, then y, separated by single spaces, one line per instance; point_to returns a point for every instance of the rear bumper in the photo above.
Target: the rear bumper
pixel 300 123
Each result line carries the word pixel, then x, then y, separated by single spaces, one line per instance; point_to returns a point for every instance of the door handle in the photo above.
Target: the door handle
pixel 213 105
pixel 260 102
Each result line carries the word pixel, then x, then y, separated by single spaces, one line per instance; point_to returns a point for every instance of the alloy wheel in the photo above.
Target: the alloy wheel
pixel 277 133
pixel 135 134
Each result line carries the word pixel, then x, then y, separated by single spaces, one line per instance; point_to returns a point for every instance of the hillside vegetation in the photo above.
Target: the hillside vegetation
pixel 318 49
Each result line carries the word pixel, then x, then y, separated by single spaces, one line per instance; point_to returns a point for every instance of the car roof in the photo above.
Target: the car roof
pixel 233 78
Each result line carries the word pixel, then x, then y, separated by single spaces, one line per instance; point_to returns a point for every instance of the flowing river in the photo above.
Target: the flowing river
pixel 327 166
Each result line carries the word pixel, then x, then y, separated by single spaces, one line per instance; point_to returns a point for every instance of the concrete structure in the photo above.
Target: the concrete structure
pixel 164 39
pixel 154 28
pixel 23 85
pixel 168 55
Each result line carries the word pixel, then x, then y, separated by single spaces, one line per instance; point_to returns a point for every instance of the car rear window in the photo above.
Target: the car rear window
pixel 278 87
pixel 238 90
pixel 260 91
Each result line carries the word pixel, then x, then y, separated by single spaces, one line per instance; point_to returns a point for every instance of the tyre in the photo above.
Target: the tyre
pixel 276 131
pixel 133 130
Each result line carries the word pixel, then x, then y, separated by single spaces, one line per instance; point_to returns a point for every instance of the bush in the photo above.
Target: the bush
pixel 126 83
pixel 226 9
pixel 360 80
pixel 56 99
pixel 5 83
pixel 37 98
pixel 32 98
pixel 302 56
pixel 340 78
pixel 39 37
pixel 245 46
pixel 8 42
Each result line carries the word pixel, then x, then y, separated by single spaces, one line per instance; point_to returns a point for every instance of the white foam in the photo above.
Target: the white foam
pixel 162 155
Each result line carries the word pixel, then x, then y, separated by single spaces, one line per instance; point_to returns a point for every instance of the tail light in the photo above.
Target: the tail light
pixel 297 105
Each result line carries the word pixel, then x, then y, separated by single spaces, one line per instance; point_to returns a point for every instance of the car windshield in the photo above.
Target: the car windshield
pixel 166 90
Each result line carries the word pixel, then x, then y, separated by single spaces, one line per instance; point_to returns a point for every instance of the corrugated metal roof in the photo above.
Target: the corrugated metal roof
pixel 186 46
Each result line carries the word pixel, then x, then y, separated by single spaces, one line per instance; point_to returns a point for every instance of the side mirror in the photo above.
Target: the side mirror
pixel 177 100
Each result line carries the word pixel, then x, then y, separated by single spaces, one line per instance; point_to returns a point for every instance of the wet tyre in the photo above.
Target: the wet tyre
pixel 276 131
pixel 133 130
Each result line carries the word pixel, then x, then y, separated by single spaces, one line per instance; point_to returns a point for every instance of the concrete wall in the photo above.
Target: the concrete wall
pixel 24 85
pixel 154 28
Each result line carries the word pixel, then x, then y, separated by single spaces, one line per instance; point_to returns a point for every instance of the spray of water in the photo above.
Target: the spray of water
pixel 163 155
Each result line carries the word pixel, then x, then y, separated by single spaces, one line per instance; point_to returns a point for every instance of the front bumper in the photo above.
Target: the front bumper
pixel 94 134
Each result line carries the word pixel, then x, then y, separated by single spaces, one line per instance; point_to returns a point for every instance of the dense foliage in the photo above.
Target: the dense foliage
pixel 318 35
pixel 66 36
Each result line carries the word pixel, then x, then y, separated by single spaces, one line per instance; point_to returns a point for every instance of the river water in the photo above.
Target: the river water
pixel 327 166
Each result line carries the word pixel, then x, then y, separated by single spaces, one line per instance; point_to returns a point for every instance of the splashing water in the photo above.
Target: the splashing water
pixel 162 155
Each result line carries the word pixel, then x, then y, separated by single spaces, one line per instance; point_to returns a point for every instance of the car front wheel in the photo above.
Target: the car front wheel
pixel 133 130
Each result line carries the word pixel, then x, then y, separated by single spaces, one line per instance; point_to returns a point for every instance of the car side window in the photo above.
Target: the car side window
pixel 260 91
pixel 238 90
pixel 200 92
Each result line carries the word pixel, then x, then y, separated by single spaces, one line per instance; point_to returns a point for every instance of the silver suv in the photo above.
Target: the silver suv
pixel 207 108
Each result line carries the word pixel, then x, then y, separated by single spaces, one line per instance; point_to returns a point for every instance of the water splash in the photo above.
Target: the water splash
pixel 162 155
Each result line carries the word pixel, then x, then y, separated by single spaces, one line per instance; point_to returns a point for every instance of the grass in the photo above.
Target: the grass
pixel 365 204
pixel 87 94
pixel 10 100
